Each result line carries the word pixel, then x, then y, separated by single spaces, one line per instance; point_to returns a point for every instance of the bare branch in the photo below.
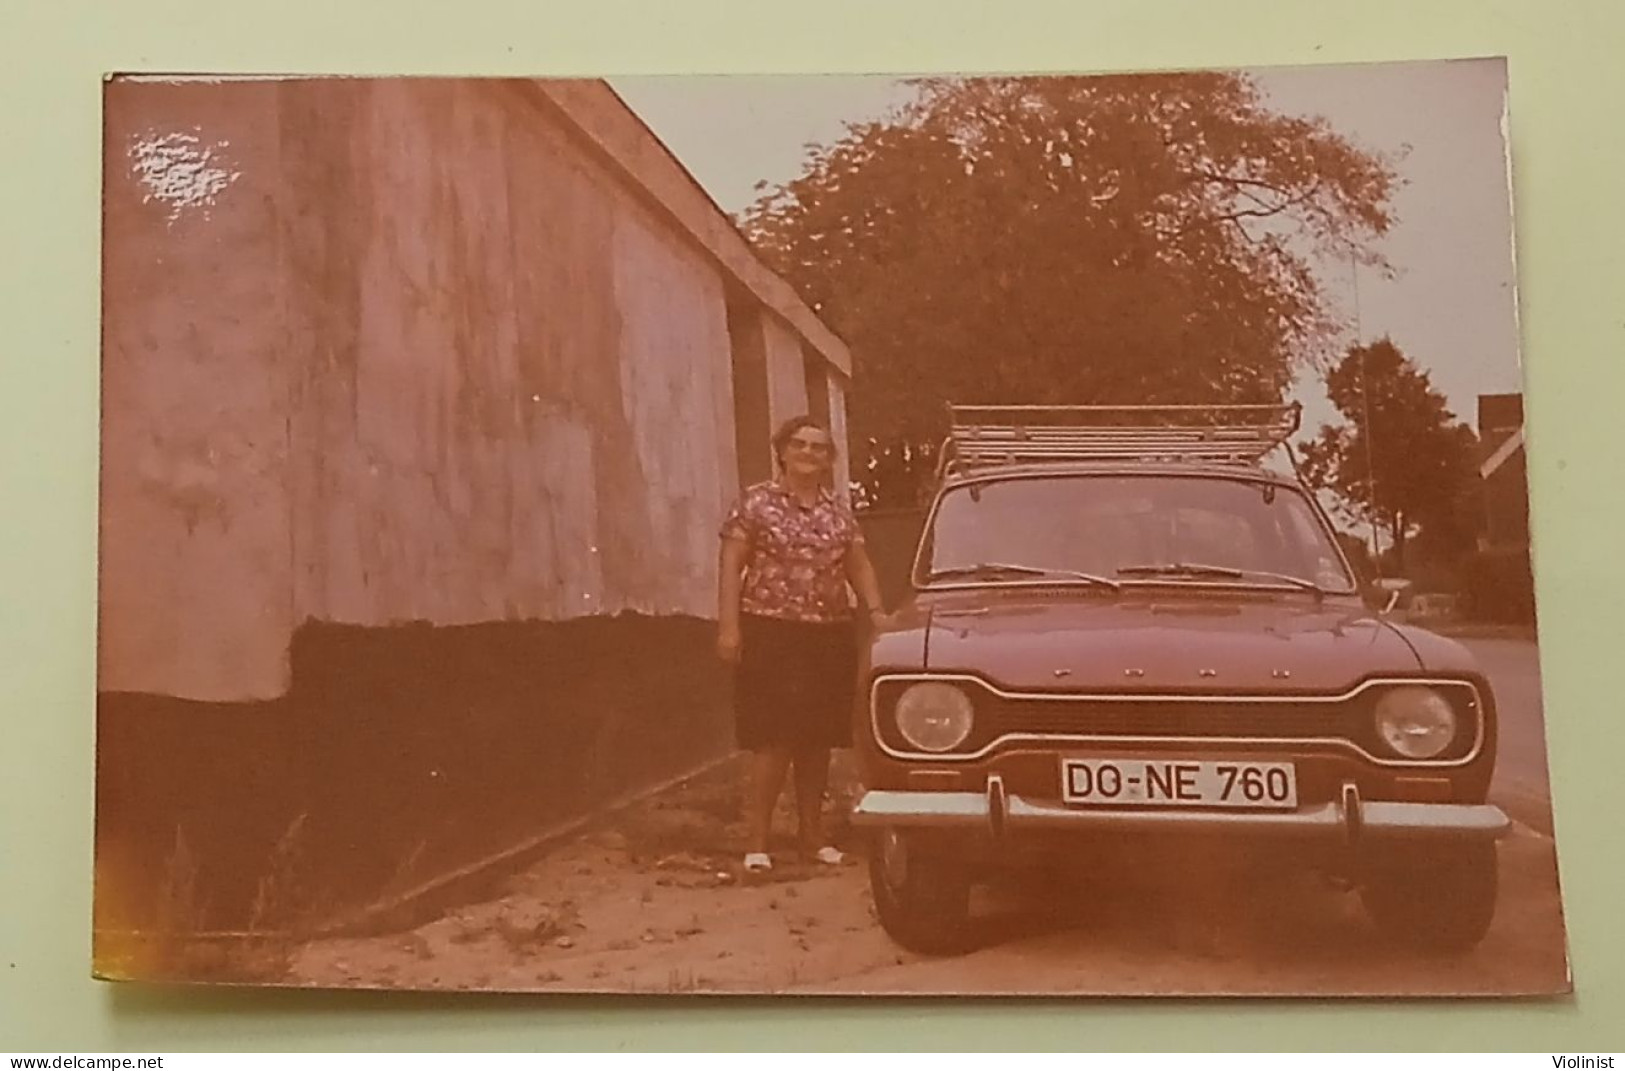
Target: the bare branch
pixel 1248 213
pixel 1237 181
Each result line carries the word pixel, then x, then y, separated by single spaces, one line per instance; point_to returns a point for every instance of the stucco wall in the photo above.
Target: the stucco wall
pixel 419 421
pixel 786 372
pixel 837 386
pixel 195 505
pixel 417 355
pixel 752 415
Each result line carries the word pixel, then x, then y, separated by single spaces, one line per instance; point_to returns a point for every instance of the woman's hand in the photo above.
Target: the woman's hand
pixel 728 642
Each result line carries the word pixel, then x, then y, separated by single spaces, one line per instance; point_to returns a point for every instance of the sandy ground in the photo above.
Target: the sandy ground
pixel 652 901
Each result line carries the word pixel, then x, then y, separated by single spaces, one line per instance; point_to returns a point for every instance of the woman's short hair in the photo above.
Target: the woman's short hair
pixel 781 438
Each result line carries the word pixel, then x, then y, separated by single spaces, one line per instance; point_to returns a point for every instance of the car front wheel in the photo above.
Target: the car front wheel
pixel 1432 898
pixel 922 898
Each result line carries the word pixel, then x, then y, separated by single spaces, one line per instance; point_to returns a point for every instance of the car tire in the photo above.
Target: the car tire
pixel 1432 898
pixel 921 898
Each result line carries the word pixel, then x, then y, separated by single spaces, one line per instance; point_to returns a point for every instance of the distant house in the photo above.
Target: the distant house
pixel 1504 470
pixel 1498 582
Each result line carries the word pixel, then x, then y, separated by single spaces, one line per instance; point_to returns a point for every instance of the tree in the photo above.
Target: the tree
pixel 1111 240
pixel 1400 460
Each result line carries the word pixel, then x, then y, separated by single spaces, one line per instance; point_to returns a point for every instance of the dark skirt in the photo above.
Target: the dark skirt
pixel 794 685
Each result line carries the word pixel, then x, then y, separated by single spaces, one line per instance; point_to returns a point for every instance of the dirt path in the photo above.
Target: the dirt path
pixel 652 902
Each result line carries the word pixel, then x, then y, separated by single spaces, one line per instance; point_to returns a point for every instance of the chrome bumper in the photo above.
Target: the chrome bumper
pixel 1349 819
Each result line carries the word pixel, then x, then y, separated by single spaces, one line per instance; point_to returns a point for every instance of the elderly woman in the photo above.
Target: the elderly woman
pixel 789 550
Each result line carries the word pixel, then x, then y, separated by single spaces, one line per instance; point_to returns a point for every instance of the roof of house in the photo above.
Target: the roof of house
pixel 622 138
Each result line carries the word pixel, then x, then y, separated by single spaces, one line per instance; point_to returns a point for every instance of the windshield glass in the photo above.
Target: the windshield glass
pixel 1132 528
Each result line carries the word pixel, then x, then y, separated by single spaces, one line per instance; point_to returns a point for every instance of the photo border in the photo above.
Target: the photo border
pixel 1569 226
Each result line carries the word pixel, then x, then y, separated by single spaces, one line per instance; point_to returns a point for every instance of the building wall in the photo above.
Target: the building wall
pixel 753 429
pixel 1506 488
pixel 419 421
pixel 421 359
pixel 197 360
pixel 1506 503
pixel 786 375
pixel 838 385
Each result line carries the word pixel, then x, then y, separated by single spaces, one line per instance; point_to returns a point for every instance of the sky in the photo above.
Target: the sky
pixel 1451 303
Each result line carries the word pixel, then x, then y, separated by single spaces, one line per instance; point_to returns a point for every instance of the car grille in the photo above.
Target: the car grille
pixel 1000 717
pixel 1291 721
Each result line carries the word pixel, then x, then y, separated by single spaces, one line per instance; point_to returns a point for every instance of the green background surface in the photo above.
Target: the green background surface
pixel 1568 88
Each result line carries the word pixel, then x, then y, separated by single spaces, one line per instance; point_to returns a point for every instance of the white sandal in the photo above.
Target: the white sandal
pixel 830 855
pixel 758 862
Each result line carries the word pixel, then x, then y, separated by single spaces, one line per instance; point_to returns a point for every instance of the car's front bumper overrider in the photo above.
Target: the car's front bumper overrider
pixel 1347 819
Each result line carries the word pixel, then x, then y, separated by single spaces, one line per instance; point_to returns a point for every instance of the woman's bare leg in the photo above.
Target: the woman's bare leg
pixel 768 768
pixel 812 775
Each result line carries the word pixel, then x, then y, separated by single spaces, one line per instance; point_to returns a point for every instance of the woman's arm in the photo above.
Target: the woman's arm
pixel 730 572
pixel 860 572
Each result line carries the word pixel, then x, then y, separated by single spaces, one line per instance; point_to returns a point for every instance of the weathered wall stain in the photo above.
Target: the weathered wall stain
pixel 408 752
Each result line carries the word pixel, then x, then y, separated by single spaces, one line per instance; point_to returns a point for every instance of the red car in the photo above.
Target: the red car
pixel 1130 623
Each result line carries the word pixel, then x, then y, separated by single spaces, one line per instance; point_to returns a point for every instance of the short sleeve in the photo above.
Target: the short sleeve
pixel 854 529
pixel 741 522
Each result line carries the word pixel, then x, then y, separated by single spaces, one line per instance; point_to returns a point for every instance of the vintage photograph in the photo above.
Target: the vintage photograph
pixel 1023 535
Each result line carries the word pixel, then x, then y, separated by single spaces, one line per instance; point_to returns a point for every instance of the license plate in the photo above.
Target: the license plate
pixel 1175 783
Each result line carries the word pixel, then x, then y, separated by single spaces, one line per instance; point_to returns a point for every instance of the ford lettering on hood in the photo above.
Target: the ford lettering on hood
pixel 1141 641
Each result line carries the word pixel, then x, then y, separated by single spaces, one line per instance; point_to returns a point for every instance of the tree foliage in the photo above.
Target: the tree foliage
pixel 1108 240
pixel 1401 459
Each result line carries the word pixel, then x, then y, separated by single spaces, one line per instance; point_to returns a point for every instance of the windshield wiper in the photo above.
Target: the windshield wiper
pixel 1006 568
pixel 1295 581
pixel 1221 572
pixel 1181 569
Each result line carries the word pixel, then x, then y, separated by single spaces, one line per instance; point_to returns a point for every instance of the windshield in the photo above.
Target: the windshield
pixel 1129 529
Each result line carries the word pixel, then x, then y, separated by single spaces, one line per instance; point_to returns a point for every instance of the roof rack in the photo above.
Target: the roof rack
pixel 985 436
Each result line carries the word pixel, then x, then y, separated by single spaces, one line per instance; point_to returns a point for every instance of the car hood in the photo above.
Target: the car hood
pixel 1156 640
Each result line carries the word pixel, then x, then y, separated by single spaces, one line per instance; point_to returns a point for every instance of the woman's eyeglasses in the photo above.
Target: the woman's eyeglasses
pixel 809 445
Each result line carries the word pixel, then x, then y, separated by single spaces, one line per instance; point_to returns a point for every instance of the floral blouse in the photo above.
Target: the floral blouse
pixel 795 565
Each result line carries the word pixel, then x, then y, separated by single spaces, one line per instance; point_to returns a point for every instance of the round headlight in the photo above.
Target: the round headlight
pixel 934 716
pixel 1415 722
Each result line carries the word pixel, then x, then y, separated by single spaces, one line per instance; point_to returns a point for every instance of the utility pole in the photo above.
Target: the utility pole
pixel 1365 402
